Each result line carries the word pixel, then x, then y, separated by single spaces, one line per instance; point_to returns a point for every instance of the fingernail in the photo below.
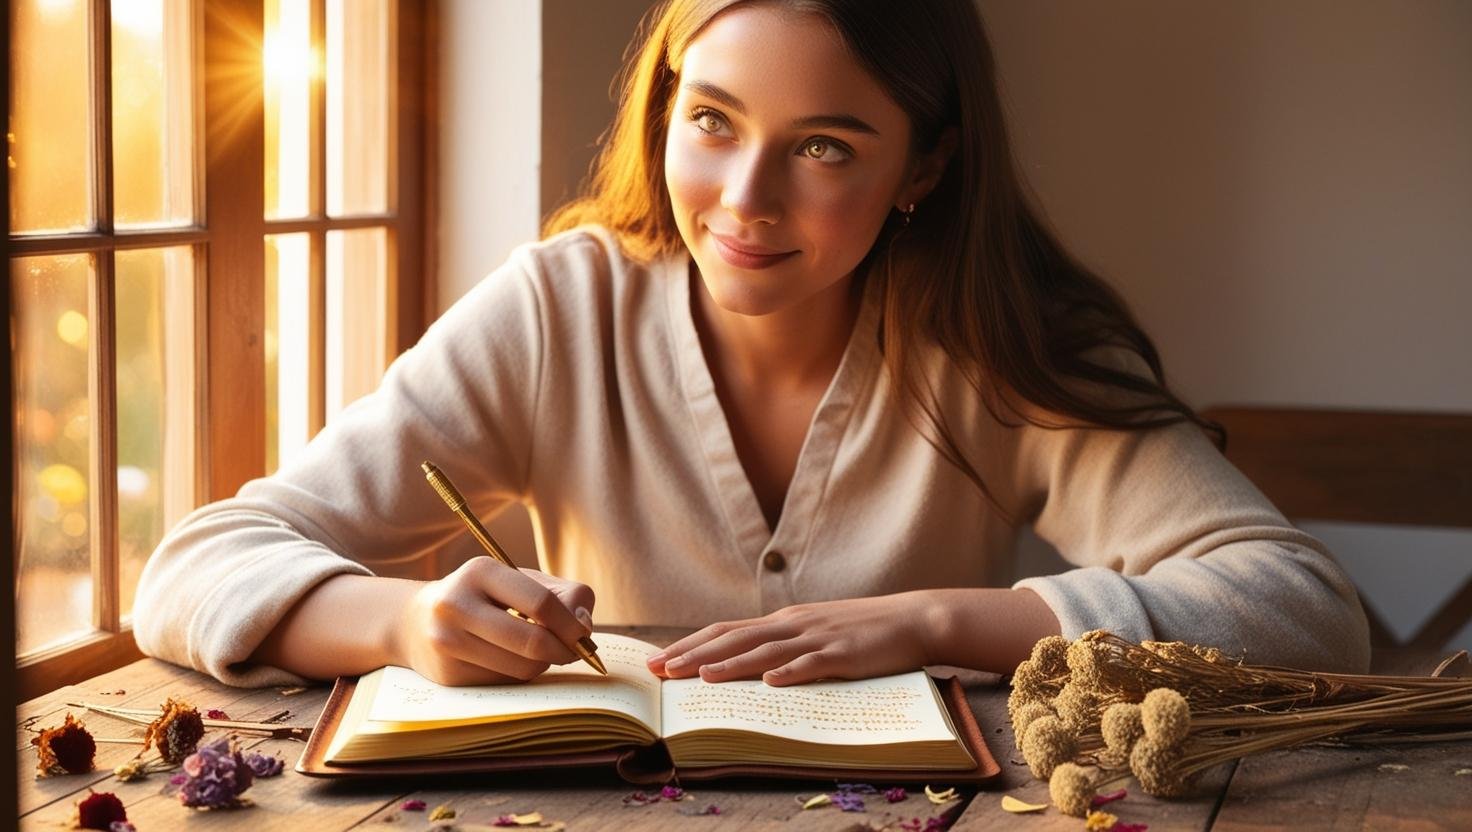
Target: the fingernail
pixel 713 668
pixel 582 615
pixel 657 657
pixel 676 663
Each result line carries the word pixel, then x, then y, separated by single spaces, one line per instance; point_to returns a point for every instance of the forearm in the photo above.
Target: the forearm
pixel 989 629
pixel 347 625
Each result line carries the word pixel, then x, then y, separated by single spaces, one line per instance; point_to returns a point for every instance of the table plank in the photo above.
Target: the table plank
pixel 1400 787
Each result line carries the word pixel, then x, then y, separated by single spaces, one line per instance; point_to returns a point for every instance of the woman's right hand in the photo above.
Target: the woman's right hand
pixel 456 630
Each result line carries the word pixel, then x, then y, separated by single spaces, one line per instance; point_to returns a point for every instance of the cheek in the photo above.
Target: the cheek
pixel 690 176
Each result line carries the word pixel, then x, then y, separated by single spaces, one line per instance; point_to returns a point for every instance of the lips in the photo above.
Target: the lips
pixel 747 256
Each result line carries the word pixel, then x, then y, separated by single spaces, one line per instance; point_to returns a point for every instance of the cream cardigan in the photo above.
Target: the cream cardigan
pixel 572 379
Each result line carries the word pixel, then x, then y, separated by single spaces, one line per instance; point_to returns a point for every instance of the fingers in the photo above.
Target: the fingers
pixel 528 595
pixel 755 661
pixel 718 643
pixel 809 667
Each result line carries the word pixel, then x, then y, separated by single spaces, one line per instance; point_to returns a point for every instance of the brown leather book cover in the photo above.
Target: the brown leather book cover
pixel 643 765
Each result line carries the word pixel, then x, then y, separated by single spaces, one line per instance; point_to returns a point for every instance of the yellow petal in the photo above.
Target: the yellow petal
pixel 940 797
pixel 1100 822
pixel 527 819
pixel 815 802
pixel 1012 804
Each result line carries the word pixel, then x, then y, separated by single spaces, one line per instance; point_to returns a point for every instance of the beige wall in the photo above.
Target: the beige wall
pixel 1282 192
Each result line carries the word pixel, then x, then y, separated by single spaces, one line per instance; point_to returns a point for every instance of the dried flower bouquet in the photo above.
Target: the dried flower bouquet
pixel 1092 712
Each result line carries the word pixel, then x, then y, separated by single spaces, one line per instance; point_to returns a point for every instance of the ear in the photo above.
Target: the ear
pixel 926 171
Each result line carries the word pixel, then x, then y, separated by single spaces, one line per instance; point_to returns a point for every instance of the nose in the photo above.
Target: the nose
pixel 751 192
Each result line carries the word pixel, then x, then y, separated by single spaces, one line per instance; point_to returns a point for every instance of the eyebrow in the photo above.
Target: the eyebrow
pixel 832 121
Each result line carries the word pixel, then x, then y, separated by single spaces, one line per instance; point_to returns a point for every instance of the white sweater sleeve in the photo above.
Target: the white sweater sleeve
pixel 464 397
pixel 1174 543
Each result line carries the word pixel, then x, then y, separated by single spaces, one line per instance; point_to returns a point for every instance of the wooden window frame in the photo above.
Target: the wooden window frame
pixel 228 241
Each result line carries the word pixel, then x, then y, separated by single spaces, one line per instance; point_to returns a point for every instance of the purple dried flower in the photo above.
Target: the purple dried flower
pixel 672 793
pixel 848 801
pixel 857 788
pixel 264 766
pixel 504 820
pixel 413 806
pixel 215 776
pixel 896 794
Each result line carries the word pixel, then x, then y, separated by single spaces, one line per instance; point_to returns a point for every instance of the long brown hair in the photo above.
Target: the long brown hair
pixel 977 272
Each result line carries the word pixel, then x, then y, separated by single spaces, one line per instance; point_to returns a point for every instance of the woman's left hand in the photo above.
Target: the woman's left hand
pixel 855 638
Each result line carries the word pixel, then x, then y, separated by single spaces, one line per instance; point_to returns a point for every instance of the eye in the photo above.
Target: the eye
pixel 706 120
pixel 826 149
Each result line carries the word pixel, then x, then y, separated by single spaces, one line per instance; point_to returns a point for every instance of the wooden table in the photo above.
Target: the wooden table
pixel 1405 787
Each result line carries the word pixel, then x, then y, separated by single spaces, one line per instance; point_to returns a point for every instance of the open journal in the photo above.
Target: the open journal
pixel 571 715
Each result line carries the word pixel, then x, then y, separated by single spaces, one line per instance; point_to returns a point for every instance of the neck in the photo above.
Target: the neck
pixel 781 351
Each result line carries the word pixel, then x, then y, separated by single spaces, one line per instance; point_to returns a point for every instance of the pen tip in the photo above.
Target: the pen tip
pixel 427 467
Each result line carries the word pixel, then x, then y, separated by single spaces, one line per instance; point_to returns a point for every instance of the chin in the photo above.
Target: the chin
pixel 744 294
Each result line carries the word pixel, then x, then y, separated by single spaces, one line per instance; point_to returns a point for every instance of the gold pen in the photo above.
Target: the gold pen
pixel 584 647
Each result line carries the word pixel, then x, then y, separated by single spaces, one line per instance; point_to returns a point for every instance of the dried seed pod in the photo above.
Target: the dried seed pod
pixel 1050 656
pixel 1121 726
pixel 1086 660
pixel 1166 716
pixel 1072 789
pixel 1077 707
pixel 1047 744
pixel 1152 761
pixel 1025 717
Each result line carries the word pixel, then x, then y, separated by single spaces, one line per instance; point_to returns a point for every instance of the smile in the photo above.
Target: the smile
pixel 742 259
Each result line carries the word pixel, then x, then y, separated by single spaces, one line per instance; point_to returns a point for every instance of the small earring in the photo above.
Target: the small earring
pixel 906 212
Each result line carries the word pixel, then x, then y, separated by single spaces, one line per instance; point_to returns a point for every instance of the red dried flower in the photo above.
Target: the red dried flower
pixel 68 749
pixel 177 732
pixel 1100 799
pixel 215 713
pixel 412 806
pixel 99 810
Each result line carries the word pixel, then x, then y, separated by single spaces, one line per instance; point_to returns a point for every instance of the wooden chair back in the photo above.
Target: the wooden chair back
pixel 1395 468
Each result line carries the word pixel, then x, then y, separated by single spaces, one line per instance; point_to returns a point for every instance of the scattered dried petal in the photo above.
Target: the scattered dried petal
pixel 66 749
pixel 1394 767
pixel 816 801
pixel 529 819
pixel 672 793
pixel 1012 804
pixel 412 806
pixel 1101 799
pixel 857 788
pixel 710 809
pixel 215 713
pixel 848 801
pixel 134 769
pixel 1129 827
pixel 1100 822
pixel 442 812
pixel 896 794
pixel 99 810
pixel 941 797
pixel 121 826
pixel 292 691
pixel 1463 772
pixel 262 765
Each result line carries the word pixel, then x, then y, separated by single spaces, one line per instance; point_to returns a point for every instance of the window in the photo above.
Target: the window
pixel 216 242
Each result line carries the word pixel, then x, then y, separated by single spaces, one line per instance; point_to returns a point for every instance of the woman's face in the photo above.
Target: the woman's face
pixel 779 142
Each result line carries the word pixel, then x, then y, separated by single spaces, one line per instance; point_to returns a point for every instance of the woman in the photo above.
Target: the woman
pixel 795 371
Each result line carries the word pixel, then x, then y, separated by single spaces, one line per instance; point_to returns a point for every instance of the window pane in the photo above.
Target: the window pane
pixel 357 106
pixel 152 113
pixel 291 68
pixel 155 402
pixel 288 347
pixel 53 441
pixel 50 142
pixel 357 314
